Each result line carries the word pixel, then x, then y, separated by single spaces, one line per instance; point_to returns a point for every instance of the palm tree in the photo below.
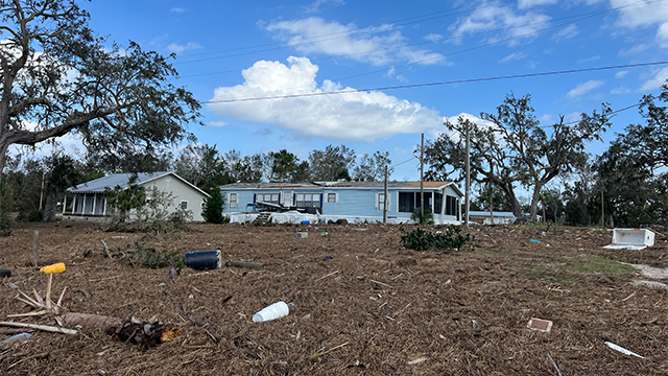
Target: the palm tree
pixel 284 161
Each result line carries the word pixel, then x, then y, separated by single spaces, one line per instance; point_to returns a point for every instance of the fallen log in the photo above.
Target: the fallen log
pixel 145 334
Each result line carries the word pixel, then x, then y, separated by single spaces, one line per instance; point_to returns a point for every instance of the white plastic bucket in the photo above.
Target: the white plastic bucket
pixel 272 312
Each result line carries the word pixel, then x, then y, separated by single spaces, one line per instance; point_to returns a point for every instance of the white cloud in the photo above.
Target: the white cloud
pixel 355 116
pixel 513 56
pixel 393 74
pixel 315 6
pixel 526 4
pixel 433 37
pixel 484 124
pixel 378 46
pixel 589 59
pixel 633 50
pixel 486 18
pixel 621 74
pixel 545 118
pixel 620 90
pixel 643 15
pixel 177 10
pixel 584 88
pixel 568 32
pixel 180 48
pixel 217 124
pixel 656 82
pixel 662 35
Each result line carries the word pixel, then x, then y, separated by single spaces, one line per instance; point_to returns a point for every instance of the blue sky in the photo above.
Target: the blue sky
pixel 242 49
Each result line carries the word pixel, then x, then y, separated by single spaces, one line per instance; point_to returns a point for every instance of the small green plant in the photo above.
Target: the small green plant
pixel 153 259
pixel 422 240
pixel 426 219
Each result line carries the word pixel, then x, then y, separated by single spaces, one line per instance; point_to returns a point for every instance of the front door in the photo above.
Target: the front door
pixel 287 196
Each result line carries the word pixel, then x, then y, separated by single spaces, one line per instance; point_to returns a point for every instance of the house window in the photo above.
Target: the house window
pixel 306 200
pixel 270 198
pixel 331 198
pixel 450 205
pixel 184 205
pixel 380 202
pixel 233 200
pixel 406 202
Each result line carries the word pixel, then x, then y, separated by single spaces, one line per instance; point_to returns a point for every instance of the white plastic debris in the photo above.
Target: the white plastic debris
pixel 631 238
pixel 622 350
pixel 272 312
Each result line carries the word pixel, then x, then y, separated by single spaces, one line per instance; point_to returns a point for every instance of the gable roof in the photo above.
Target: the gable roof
pixel 98 185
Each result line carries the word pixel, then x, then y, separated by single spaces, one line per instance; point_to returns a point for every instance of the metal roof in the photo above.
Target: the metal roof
pixel 98 185
pixel 337 184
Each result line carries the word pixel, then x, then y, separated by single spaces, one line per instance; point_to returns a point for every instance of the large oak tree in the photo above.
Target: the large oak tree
pixel 509 148
pixel 57 77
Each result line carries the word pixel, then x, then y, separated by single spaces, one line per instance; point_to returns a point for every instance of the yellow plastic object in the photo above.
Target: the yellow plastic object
pixel 55 268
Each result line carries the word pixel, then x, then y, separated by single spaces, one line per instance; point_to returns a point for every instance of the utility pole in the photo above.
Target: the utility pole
pixel 468 173
pixel 602 213
pixel 422 179
pixel 385 198
pixel 41 193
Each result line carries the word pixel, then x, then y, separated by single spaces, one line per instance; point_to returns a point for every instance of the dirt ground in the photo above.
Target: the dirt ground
pixel 379 308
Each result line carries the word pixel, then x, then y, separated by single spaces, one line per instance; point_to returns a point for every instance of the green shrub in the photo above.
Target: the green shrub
pixel 153 259
pixel 426 219
pixel 421 240
pixel 213 207
pixel 34 215
pixel 6 204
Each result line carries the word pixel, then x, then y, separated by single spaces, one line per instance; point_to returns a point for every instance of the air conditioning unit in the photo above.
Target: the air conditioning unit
pixel 631 238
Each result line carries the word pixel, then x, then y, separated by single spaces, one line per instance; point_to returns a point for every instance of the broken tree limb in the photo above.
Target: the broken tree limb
pixel 554 365
pixel 145 334
pixel 106 249
pixel 318 354
pixel 53 329
pixel 381 283
pixel 328 275
pixel 35 234
pixel 245 264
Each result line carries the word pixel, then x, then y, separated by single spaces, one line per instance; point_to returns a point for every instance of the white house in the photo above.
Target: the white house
pixel 89 201
pixel 485 217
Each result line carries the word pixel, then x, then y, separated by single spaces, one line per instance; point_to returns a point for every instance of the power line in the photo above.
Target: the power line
pixel 373 28
pixel 441 83
pixel 579 17
pixel 582 18
pixel 578 121
pixel 406 161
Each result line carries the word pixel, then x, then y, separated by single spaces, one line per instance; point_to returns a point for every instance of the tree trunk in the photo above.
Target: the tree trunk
pixel 3 159
pixel 517 208
pixel 491 211
pixel 49 214
pixel 534 201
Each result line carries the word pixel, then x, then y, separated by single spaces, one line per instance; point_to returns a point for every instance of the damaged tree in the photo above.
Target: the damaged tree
pixel 57 77
pixel 144 334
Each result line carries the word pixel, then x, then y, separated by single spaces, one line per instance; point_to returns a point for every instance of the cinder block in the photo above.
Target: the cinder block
pixel 301 235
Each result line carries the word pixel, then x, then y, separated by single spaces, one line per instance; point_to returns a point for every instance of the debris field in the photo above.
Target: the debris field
pixel 363 305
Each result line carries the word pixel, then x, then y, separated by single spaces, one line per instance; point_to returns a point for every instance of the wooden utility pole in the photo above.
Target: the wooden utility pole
pixel 35 234
pixel 41 193
pixel 468 174
pixel 422 179
pixel 385 198
pixel 602 212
